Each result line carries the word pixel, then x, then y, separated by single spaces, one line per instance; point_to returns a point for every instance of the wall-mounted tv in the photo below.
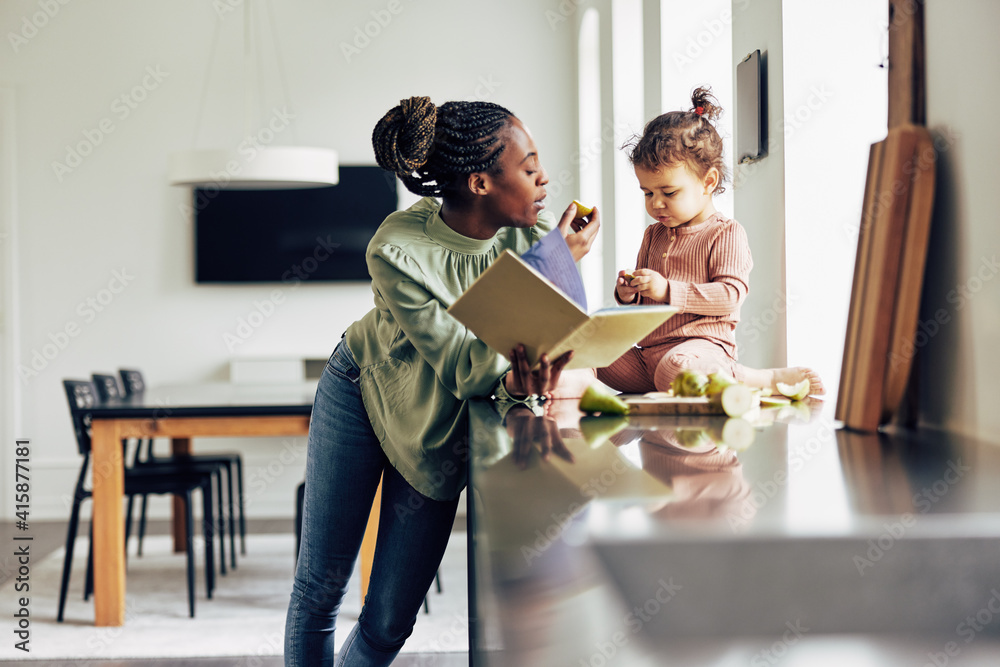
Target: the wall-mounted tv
pixel 318 234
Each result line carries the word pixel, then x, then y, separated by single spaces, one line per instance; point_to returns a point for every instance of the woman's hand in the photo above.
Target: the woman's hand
pixel 522 381
pixel 650 284
pixel 580 233
pixel 529 432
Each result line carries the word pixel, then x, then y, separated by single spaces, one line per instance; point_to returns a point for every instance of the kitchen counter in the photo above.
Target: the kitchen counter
pixel 697 540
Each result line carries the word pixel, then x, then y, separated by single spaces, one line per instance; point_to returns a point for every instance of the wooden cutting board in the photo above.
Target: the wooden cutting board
pixel 673 405
pixel 888 277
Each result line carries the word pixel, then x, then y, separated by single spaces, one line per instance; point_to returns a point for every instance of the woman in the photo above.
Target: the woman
pixel 392 401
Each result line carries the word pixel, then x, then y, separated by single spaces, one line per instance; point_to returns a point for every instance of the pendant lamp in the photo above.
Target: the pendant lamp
pixel 254 164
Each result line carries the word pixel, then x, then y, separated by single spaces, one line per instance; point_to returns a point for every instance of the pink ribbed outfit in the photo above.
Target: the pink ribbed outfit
pixel 707 267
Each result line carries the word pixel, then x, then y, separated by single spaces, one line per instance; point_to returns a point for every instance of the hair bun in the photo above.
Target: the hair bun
pixel 703 99
pixel 403 137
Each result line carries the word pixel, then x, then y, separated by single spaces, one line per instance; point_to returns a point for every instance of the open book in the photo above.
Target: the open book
pixel 512 303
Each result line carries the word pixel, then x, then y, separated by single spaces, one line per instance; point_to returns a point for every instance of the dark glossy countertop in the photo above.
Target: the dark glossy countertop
pixel 646 541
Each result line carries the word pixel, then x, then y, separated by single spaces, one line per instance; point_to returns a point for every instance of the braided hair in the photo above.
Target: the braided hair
pixel 679 137
pixel 431 148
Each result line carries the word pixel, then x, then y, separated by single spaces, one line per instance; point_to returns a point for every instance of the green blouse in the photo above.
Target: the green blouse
pixel 419 365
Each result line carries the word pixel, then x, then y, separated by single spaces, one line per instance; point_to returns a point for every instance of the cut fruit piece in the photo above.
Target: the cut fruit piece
pixel 628 277
pixel 796 391
pixel 595 400
pixel 736 400
pixel 737 433
pixel 771 401
pixel 690 383
pixel 717 382
pixel 690 438
pixel 598 429
pixel 582 210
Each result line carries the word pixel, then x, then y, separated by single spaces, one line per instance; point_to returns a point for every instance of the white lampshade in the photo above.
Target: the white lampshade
pixel 257 168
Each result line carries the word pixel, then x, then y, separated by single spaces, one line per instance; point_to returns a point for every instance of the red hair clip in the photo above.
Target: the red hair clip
pixel 699 110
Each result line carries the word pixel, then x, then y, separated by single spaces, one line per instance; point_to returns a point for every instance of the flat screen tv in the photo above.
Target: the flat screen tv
pixel 318 234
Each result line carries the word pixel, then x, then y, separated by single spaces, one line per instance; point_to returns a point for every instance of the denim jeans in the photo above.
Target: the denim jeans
pixel 343 466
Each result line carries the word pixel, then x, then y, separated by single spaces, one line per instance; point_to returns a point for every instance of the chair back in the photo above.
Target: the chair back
pixel 82 396
pixel 132 381
pixel 107 387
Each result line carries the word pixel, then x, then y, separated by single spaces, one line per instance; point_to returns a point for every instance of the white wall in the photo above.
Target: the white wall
pixel 115 212
pixel 759 190
pixel 835 108
pixel 958 349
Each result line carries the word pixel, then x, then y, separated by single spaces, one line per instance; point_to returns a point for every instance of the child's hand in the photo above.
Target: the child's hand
pixel 650 284
pixel 624 286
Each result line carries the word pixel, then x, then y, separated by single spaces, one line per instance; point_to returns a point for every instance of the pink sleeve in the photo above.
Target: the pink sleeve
pixel 729 265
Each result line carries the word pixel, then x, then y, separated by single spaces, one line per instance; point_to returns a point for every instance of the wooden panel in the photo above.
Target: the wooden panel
pixel 639 405
pixel 885 299
pixel 902 340
pixel 368 542
pixel 109 525
pixel 180 446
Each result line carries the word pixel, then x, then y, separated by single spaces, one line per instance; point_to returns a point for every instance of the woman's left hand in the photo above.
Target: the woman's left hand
pixel 580 233
pixel 522 381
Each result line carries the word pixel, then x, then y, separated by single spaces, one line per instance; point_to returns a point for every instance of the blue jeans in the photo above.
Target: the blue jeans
pixel 343 466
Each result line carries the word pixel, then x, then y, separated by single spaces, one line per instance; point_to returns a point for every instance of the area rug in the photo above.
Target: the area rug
pixel 245 617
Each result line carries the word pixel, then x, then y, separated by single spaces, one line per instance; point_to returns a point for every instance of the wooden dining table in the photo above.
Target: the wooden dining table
pixel 180 413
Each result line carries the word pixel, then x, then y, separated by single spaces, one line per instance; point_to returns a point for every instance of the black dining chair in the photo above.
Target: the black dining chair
pixel 82 397
pixel 109 390
pixel 134 383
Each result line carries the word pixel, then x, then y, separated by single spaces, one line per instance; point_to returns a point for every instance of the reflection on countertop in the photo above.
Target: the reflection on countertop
pixel 610 540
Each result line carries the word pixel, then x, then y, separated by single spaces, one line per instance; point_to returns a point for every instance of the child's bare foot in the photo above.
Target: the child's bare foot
pixel 796 374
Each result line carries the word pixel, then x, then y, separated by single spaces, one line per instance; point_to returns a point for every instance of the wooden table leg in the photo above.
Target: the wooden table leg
pixel 109 524
pixel 368 543
pixel 179 446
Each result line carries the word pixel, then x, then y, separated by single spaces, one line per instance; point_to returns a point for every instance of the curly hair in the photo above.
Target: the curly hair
pixel 683 137
pixel 431 148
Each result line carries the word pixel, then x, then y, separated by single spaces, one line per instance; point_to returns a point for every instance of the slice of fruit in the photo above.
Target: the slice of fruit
pixel 737 433
pixel 690 383
pixel 796 392
pixel 628 277
pixel 736 400
pixel 598 429
pixel 582 210
pixel 717 382
pixel 595 400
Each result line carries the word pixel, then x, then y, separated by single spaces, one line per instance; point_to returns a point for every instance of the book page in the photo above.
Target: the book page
pixel 610 332
pixel 512 303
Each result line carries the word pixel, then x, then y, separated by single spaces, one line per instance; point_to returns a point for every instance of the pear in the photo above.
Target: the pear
pixel 796 392
pixel 595 400
pixel 598 429
pixel 690 383
pixel 717 382
pixel 582 210
pixel 736 399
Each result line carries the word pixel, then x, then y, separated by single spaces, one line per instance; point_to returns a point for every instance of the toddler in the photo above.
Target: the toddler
pixel 693 258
